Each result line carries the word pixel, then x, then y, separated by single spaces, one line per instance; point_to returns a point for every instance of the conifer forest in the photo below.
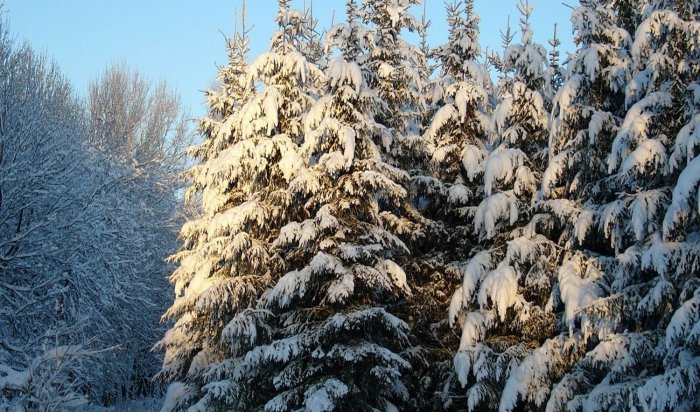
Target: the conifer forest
pixel 363 221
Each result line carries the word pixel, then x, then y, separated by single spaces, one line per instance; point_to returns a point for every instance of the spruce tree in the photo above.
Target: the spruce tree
pixel 395 69
pixel 640 310
pixel 624 288
pixel 226 264
pixel 502 303
pixel 461 121
pixel 338 347
pixel 586 112
pixel 442 192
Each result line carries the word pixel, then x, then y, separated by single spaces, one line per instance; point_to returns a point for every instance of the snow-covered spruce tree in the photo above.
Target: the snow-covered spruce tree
pixel 398 73
pixel 226 262
pixel 586 112
pixel 461 119
pixel 502 303
pixel 635 293
pixel 556 74
pixel 441 191
pixel 338 348
pixel 395 69
pixel 300 32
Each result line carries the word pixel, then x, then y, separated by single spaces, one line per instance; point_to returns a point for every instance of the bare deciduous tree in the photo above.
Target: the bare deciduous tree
pixel 137 120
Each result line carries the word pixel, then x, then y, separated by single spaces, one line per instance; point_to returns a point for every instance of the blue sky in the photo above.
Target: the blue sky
pixel 181 40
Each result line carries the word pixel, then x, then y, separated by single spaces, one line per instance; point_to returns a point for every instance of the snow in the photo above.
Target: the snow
pixel 666 391
pixel 649 154
pixel 307 181
pixel 458 194
pixel 526 182
pixel 347 136
pixel 175 391
pixel 659 293
pixel 591 62
pixel 271 104
pixel 610 219
pixel 501 166
pixel 599 120
pixel 564 98
pixel 555 170
pixel 474 329
pixel 500 288
pixel 683 320
pixel 608 395
pixel 456 305
pixel 634 128
pixel 687 143
pixel 341 72
pixel 385 70
pixel 529 379
pixel 494 209
pixel 315 117
pixel 440 154
pixel 637 87
pixel 502 114
pixel 620 353
pixel 236 219
pixel 583 224
pixel 645 208
pixel 242 329
pixel 686 191
pixel 472 159
pixel 291 285
pixel 355 252
pixel 333 162
pixel 398 276
pixel 462 364
pixel 659 254
pixel 472 274
pixel 467 95
pixel 523 249
pixel 11 379
pixel 446 115
pixel 576 291
pixel 321 399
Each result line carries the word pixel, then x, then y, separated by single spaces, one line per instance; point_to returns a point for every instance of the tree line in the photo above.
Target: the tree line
pixel 391 226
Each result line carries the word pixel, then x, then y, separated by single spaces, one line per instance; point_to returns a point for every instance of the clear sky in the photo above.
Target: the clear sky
pixel 182 41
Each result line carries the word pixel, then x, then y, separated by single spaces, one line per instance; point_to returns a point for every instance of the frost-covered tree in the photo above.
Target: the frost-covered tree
pixel 502 303
pixel 226 263
pixel 40 158
pixel 81 256
pixel 142 130
pixel 134 120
